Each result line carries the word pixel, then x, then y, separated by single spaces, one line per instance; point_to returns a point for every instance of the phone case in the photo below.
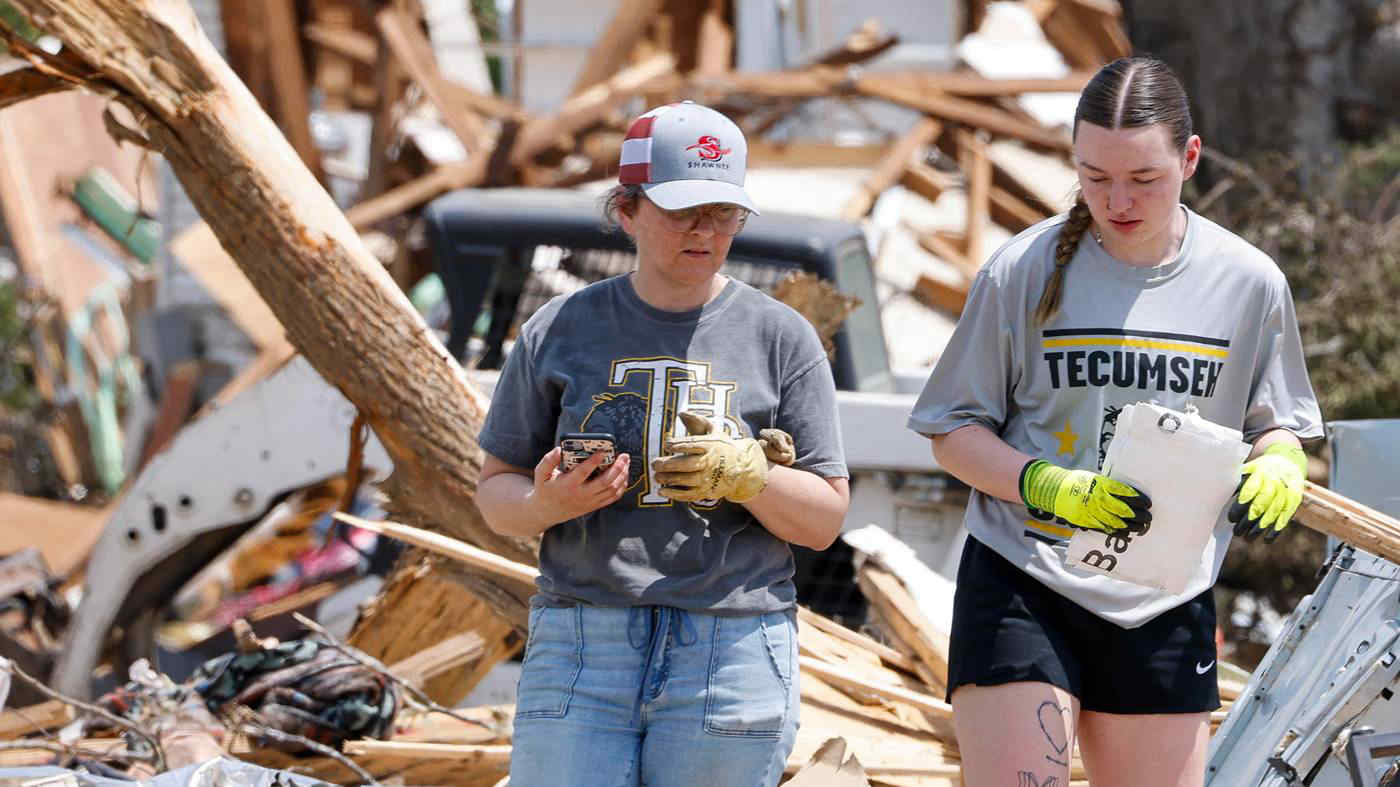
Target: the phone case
pixel 578 447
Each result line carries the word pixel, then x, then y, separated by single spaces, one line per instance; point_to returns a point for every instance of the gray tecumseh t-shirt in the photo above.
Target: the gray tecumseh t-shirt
pixel 1214 327
pixel 602 360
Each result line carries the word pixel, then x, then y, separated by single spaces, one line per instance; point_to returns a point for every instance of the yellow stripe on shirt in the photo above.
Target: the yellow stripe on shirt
pixel 1143 343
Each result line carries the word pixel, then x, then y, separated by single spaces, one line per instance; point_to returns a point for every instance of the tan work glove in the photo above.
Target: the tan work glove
pixel 706 465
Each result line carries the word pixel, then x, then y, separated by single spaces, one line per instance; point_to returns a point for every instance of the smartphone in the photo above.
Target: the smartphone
pixel 578 446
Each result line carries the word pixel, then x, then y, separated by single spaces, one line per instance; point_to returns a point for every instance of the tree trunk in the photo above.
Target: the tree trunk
pixel 1266 75
pixel 339 306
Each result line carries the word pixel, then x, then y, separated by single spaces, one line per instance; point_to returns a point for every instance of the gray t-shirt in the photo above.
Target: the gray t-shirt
pixel 1214 327
pixel 602 360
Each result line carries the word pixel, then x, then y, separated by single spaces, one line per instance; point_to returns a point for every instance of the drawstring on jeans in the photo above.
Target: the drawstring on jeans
pixel 651 628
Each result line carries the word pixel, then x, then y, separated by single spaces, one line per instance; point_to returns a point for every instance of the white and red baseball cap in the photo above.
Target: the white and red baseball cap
pixel 684 155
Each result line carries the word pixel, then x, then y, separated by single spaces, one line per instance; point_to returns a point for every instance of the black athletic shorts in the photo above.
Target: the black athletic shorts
pixel 1008 627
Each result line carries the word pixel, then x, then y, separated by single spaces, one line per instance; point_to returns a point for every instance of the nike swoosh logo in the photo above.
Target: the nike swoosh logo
pixel 1200 670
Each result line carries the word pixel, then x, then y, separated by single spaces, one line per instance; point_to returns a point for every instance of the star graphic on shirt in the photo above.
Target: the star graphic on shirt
pixel 1067 439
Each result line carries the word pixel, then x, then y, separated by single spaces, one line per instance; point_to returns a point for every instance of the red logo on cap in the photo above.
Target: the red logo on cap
pixel 709 148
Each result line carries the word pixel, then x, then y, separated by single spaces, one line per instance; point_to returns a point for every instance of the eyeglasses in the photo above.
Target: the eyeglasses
pixel 725 218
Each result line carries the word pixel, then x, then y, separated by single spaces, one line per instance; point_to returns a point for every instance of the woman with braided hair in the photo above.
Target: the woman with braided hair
pixel 1128 297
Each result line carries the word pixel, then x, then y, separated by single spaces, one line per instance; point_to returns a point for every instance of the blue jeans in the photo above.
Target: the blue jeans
pixel 656 696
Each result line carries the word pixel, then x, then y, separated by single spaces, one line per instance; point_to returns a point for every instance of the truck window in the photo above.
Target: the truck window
pixel 855 276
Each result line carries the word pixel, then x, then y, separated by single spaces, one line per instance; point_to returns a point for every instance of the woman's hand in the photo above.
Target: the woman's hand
pixel 561 496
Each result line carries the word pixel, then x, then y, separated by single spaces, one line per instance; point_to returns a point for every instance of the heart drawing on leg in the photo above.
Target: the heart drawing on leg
pixel 1052 722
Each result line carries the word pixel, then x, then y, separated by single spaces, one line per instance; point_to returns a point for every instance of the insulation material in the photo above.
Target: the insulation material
pixel 1189 467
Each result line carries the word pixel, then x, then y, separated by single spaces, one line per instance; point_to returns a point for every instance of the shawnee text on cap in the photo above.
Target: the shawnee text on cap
pixel 686 154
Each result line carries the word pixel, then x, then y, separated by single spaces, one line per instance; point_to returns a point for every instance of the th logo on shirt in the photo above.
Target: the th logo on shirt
pixel 642 415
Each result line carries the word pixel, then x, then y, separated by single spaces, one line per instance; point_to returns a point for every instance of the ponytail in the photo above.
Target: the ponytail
pixel 1076 224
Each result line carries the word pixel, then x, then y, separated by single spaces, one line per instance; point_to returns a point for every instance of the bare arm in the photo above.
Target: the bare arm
pixel 801 507
pixel 1272 436
pixel 517 501
pixel 979 458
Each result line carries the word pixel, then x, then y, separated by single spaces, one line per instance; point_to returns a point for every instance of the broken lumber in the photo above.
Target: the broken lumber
pixel 616 43
pixel 969 112
pixel 939 294
pixel 972 157
pixel 415 54
pixel 891 168
pixel 840 675
pixel 455 651
pixel 899 612
pixel 714 46
pixel 446 546
pixel 424 603
pixel 48 715
pixel 826 625
pixel 588 107
pixel 1361 526
pixel 410 195
pixel 466 755
pixel 278 21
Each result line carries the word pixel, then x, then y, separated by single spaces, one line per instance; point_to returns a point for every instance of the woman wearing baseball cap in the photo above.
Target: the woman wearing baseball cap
pixel 663 645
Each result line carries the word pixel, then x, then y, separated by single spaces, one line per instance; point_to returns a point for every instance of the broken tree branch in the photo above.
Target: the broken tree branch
pixel 26 83
pixel 96 710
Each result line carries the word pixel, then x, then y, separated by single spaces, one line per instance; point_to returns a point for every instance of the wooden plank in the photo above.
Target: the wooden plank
pixel 415 54
pixel 942 249
pixel 65 533
pixel 891 167
pixel 446 546
pixel 279 24
pixel 410 195
pixel 1064 28
pixel 970 84
pixel 456 651
pixel 486 104
pixel 614 46
pixel 715 40
pixel 973 113
pixel 766 153
pixel 588 107
pixel 469 755
pixel 360 47
pixel 335 72
pixel 20 722
pixel 1012 212
pixel 924 702
pixel 173 409
pixel 1328 512
pixel 972 156
pixel 389 82
pixel 866 42
pixel 426 600
pixel 926 181
pixel 900 612
pixel 941 295
pixel 828 626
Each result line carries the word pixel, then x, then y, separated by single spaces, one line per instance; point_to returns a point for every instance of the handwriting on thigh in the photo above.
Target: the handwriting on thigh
pixel 1028 780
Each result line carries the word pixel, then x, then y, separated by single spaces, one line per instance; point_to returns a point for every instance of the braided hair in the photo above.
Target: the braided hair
pixel 1130 92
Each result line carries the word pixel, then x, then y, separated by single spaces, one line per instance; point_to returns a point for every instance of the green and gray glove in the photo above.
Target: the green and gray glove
pixel 1270 491
pixel 708 465
pixel 1083 498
